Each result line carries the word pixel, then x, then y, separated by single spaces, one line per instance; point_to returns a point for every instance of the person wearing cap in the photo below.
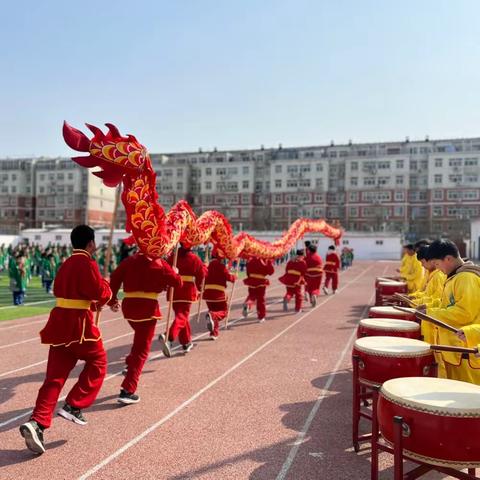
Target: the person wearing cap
pixel 331 267
pixel 293 279
pixel 214 293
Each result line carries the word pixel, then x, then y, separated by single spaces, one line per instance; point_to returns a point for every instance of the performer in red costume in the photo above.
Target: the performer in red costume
pixel 313 276
pixel 332 265
pixel 72 335
pixel 257 271
pixel 143 278
pixel 214 293
pixel 293 279
pixel 192 270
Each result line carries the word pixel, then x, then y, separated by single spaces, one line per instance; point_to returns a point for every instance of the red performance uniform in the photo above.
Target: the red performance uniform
pixel 143 279
pixel 72 335
pixel 257 271
pixel 214 292
pixel 293 280
pixel 332 265
pixel 192 271
pixel 313 275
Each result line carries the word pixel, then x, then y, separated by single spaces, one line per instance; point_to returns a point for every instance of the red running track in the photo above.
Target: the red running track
pixel 266 401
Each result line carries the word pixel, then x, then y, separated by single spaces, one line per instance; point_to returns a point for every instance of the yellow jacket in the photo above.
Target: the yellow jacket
pixel 412 271
pixel 460 308
pixel 432 293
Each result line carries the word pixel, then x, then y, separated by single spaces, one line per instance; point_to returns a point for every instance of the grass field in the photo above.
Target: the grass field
pixel 35 293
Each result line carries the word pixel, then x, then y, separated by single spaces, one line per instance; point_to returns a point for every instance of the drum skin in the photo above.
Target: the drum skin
pixel 382 280
pixel 376 368
pixel 438 438
pixel 390 312
pixel 388 330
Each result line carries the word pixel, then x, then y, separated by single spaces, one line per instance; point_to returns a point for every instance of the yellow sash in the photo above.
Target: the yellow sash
pixel 188 278
pixel 150 295
pixel 212 286
pixel 71 303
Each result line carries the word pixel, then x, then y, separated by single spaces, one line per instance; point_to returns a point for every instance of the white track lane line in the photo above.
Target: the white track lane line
pixel 154 357
pixel 323 394
pixel 153 427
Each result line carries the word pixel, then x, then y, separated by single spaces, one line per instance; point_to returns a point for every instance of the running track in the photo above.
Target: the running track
pixel 266 401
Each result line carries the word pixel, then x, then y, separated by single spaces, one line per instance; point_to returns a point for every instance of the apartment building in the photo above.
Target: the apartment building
pixel 35 192
pixel 419 188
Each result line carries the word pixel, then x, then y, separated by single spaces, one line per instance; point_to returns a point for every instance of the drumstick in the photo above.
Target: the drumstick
pixel 428 318
pixel 403 297
pixel 448 348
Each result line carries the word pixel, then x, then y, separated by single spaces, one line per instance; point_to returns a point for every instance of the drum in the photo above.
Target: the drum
pixel 385 279
pixel 386 289
pixel 441 419
pixel 384 358
pixel 388 327
pixel 391 312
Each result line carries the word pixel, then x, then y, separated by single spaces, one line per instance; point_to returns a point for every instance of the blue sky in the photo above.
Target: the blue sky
pixel 183 74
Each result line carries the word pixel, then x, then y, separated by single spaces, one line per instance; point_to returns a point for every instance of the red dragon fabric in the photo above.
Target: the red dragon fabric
pixel 124 159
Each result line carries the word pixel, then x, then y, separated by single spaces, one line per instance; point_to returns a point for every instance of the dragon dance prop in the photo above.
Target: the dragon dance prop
pixel 124 159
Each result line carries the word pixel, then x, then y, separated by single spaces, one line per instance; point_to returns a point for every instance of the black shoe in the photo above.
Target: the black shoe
pixel 285 305
pixel 245 310
pixel 187 347
pixel 127 398
pixel 125 371
pixel 32 432
pixel 73 414
pixel 165 345
pixel 210 324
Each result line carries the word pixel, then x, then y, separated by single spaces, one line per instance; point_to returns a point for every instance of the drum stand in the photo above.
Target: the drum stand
pixel 362 392
pixel 399 456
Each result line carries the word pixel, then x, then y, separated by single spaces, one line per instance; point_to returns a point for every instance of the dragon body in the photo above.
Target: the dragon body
pixel 124 159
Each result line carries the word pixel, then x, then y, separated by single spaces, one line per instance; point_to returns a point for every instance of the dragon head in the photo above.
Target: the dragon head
pixel 114 154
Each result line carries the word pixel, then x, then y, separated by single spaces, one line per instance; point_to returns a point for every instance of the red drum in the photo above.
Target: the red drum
pixel 388 327
pixel 384 358
pixel 391 312
pixel 385 279
pixel 441 419
pixel 386 289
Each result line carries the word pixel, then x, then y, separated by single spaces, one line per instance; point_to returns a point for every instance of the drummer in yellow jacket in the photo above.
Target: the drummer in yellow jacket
pixel 459 307
pixel 430 297
pixel 411 269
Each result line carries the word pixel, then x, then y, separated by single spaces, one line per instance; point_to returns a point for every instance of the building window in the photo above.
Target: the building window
pixel 292 169
pixel 278 169
pixel 455 178
pixel 278 184
pixel 319 183
pixel 353 197
pixel 439 162
pixel 369 181
pixel 383 165
pixel 399 163
pixel 246 169
pixel 208 185
pixel 383 180
pixel 353 211
pixel 345 242
pixel 208 171
pixel 319 167
pixel 399 196
pixel 245 184
pixel 455 162
pixel 354 166
pixel 438 178
pixel 438 194
pixel 398 211
pixel 180 186
pixel 471 162
pixel 399 180
pixel 378 242
pixel 354 181
pixel 437 211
